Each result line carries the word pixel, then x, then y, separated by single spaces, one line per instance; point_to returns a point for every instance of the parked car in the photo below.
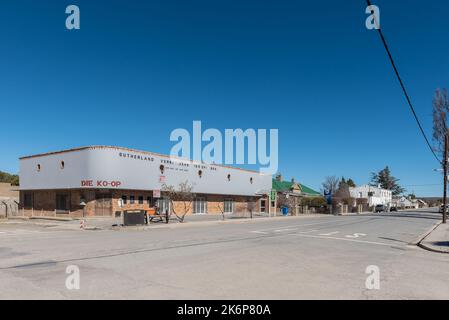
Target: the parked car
pixel 442 206
pixel 380 208
pixel 393 209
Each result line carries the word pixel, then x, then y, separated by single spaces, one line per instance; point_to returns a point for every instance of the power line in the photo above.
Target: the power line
pixel 403 88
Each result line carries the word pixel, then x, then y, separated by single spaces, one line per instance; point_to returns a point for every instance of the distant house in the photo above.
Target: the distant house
pixel 407 203
pixel 293 191
pixel 375 195
pixel 422 203
pixel 293 187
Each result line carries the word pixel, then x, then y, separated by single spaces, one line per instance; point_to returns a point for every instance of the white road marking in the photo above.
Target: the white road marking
pixel 329 234
pixel 341 239
pixel 292 226
pixel 283 230
pixel 355 235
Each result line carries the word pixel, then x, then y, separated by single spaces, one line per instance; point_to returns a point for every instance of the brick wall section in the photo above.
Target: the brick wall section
pixel 44 203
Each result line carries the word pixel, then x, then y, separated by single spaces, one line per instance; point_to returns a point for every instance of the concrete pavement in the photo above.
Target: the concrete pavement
pixel 295 258
pixel 437 240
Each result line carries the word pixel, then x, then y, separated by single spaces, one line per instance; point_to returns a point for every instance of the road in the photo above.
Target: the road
pixel 320 257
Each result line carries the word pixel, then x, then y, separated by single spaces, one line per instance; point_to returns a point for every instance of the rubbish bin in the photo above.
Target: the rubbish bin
pixel 285 211
pixel 134 217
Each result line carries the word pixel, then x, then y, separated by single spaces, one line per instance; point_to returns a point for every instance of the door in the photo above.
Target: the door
pixel 103 204
pixel 199 206
pixel 263 205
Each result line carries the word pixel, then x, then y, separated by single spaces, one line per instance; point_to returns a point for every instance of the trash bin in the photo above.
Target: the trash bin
pixel 285 211
pixel 134 217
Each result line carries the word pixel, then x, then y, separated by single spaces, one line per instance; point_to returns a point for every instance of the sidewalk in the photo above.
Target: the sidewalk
pixel 437 240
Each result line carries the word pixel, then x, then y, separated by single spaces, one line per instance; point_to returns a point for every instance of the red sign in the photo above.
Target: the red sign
pixel 101 183
pixel 162 179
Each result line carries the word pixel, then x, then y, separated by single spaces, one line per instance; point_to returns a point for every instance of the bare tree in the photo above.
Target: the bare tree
pixel 183 194
pixel 286 200
pixel 440 113
pixel 220 206
pixel 251 206
pixel 330 184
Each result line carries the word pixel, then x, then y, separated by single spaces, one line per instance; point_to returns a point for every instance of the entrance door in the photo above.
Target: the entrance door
pixel 103 204
pixel 263 205
pixel 199 206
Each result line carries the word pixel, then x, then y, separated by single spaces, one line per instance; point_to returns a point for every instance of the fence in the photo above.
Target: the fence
pixel 8 208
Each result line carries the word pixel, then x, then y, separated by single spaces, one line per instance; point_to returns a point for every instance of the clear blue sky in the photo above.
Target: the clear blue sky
pixel 139 69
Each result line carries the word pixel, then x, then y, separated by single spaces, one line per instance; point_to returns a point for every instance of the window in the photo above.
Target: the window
pixel 199 206
pixel 161 167
pixel 149 201
pixel 273 203
pixel 200 173
pixel 28 200
pixel 228 205
pixel 124 199
pixel 61 202
pixel 229 177
pixel 62 164
pixel 140 199
pixel 163 205
pixel 251 180
pixel 131 199
pixel 38 167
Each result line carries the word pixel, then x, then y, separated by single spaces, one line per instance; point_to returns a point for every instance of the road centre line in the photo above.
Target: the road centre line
pixel 342 239
pixel 296 225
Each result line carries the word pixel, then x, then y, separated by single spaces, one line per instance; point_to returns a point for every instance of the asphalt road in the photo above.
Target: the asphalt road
pixel 323 257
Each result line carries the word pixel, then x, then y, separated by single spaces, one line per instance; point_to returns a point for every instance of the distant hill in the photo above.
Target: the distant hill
pixel 9 178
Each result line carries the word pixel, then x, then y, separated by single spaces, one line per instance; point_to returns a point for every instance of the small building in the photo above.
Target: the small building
pixel 375 195
pixel 293 190
pixel 105 180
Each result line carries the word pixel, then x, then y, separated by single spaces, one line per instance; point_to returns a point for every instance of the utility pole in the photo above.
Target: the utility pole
pixel 445 176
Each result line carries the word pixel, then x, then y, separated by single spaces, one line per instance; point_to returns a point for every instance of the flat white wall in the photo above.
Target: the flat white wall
pixel 134 170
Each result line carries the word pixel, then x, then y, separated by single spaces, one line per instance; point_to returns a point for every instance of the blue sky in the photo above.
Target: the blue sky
pixel 139 69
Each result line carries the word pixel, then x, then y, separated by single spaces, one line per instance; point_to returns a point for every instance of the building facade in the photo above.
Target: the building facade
pixel 105 181
pixel 375 195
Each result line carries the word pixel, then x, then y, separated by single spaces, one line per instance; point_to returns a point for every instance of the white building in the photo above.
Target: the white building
pixel 375 195
pixel 102 180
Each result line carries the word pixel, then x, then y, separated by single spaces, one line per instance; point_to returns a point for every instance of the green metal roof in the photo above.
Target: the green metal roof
pixel 286 185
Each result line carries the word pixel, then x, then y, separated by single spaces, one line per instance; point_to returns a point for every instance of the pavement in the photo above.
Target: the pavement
pixel 305 257
pixel 437 240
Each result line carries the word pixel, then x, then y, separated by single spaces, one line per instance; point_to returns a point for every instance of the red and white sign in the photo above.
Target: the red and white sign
pixel 100 183
pixel 161 179
pixel 156 193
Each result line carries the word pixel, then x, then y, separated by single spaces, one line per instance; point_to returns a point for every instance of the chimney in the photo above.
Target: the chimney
pixel 279 177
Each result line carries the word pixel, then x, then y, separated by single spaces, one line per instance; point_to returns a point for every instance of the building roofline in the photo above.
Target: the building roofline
pixel 130 150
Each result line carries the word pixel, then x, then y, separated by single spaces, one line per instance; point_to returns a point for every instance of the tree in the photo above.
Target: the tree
pixel 183 194
pixel 330 184
pixel 386 181
pixel 9 178
pixel 411 196
pixel 351 183
pixel 440 113
pixel 286 200
pixel 251 206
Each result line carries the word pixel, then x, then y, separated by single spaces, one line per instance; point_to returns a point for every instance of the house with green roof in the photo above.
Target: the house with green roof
pixel 291 194
pixel 293 187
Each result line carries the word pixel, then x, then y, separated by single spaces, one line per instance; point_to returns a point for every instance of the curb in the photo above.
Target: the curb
pixel 424 235
pixel 431 249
